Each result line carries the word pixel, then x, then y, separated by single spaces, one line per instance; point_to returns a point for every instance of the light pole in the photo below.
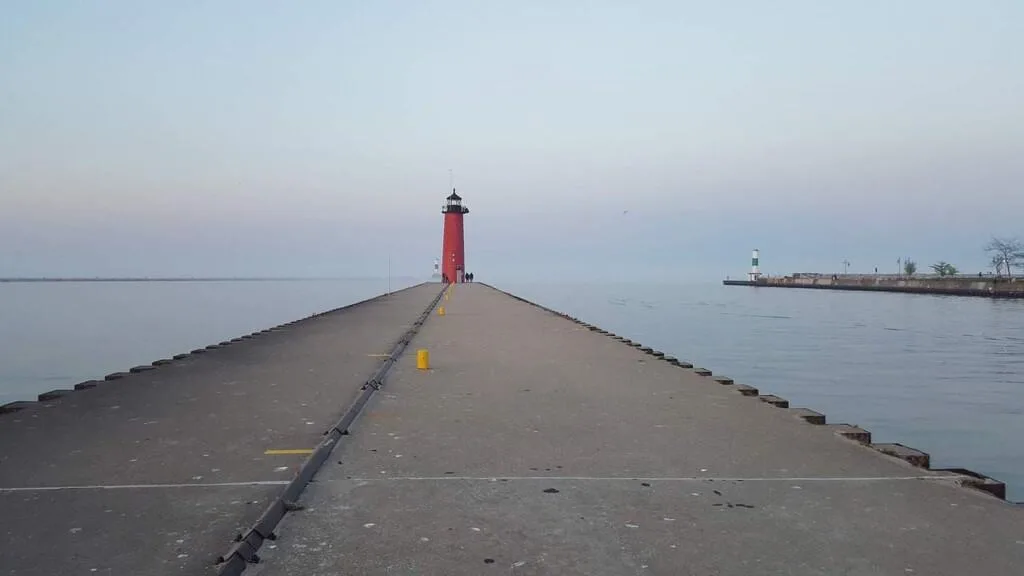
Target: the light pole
pixel 846 267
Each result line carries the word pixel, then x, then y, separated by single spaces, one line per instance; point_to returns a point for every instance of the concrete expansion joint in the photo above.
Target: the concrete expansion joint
pixel 774 400
pixel 53 395
pixel 87 385
pixel 809 416
pixel 746 390
pixel 15 406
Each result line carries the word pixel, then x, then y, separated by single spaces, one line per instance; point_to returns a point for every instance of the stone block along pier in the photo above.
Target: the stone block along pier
pixel 533 444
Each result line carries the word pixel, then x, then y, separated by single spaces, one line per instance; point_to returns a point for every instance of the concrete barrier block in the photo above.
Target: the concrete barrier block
pixel 53 395
pixel 658 354
pixel 671 360
pixel 233 340
pixel 213 346
pixel 978 481
pixel 851 432
pixel 906 453
pixel 199 351
pixel 702 372
pixel 11 407
pixel 162 362
pixel 809 416
pixel 87 385
pixel 746 390
pixel 647 349
pixel 180 356
pixel 247 337
pixel 775 401
pixel 115 376
pixel 145 368
pixel 225 343
pixel 636 344
pixel 724 380
pixel 683 364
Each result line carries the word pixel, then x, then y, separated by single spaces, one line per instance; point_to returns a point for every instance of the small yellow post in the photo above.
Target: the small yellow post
pixel 440 311
pixel 422 359
pixel 446 293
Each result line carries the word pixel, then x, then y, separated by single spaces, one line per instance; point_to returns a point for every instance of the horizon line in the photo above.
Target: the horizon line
pixel 14 279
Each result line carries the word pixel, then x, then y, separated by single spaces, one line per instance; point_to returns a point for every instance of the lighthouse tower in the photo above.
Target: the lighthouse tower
pixel 453 252
pixel 755 268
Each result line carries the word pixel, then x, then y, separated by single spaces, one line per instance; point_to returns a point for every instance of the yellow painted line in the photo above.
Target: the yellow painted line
pixel 295 451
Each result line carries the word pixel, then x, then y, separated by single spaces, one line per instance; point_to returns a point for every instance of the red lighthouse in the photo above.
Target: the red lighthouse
pixel 453 255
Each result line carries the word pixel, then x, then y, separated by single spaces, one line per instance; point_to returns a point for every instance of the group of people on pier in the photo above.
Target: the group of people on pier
pixel 468 277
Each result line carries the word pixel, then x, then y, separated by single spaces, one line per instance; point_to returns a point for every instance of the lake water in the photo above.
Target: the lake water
pixel 941 374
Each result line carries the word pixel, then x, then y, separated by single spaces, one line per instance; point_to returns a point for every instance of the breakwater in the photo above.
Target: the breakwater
pixel 986 287
pixel 535 442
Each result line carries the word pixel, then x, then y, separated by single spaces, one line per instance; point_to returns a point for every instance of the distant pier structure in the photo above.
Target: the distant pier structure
pixel 755 268
pixel 436 276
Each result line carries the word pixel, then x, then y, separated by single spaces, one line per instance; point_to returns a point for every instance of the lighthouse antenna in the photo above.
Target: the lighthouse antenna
pixel 451 180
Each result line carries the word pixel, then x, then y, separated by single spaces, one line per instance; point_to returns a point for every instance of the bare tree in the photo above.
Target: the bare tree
pixel 997 264
pixel 1005 253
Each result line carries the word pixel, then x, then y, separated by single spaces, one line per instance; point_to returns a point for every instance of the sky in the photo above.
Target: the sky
pixel 591 140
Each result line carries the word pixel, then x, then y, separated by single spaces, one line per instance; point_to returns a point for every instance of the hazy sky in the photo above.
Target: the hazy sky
pixel 315 137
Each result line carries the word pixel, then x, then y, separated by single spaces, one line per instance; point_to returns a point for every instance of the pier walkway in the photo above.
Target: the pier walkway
pixel 534 445
pixel 155 472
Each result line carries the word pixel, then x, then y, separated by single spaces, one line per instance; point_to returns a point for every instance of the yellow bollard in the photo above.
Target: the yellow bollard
pixel 422 359
pixel 446 295
pixel 440 311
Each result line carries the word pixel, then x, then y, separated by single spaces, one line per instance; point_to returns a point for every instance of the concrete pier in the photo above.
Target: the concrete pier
pixel 156 471
pixel 534 444
pixel 984 287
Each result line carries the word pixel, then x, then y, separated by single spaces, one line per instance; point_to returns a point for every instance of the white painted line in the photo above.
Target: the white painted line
pixel 138 486
pixel 641 479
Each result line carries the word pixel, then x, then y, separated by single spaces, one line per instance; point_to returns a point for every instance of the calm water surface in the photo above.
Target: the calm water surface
pixel 54 335
pixel 942 374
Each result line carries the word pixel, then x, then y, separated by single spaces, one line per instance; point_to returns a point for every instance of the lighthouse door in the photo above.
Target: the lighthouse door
pixel 459 274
